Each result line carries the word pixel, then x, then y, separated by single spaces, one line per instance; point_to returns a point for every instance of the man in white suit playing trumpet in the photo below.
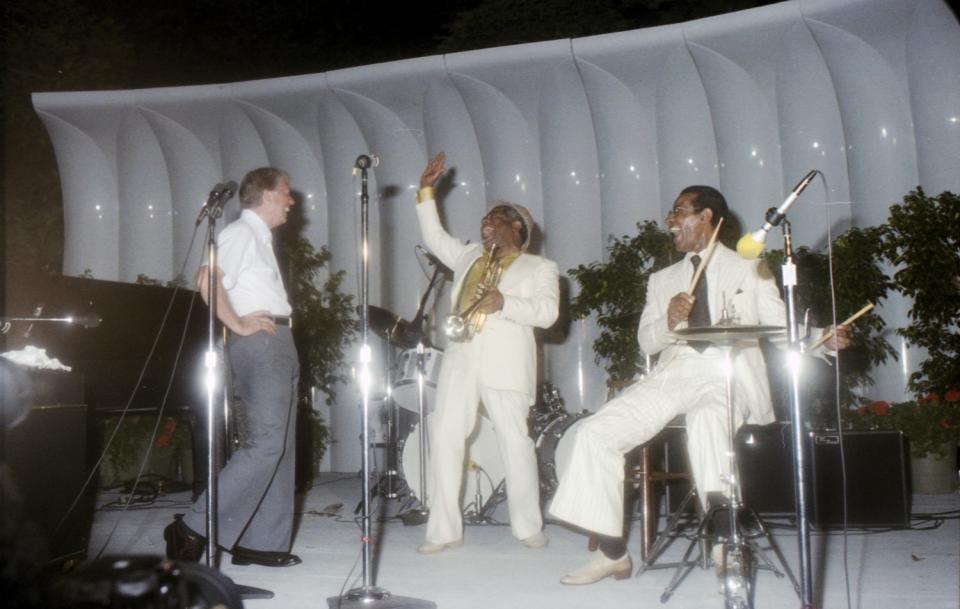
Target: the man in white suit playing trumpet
pixel 688 379
pixel 495 363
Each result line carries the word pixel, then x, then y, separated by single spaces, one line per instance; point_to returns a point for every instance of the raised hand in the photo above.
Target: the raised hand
pixel 433 170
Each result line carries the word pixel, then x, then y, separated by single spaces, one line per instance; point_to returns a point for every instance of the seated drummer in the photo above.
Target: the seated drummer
pixel 688 379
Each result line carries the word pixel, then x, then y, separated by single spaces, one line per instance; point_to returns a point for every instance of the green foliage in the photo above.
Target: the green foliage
pixel 616 291
pixel 931 423
pixel 323 326
pixel 922 241
pixel 323 321
pixel 859 280
pixel 168 440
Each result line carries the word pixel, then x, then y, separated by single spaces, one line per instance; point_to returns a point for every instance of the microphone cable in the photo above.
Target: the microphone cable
pixel 836 389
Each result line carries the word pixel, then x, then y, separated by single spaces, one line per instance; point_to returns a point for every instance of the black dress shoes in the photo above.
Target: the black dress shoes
pixel 246 556
pixel 182 542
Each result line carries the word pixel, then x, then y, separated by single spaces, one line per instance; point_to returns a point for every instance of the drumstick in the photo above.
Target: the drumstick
pixel 706 257
pixel 845 322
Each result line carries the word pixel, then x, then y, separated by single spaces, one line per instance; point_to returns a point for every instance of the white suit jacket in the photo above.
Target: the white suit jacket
pixel 506 347
pixel 751 293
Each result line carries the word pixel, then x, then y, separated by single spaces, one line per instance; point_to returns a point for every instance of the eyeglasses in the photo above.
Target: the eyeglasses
pixel 682 211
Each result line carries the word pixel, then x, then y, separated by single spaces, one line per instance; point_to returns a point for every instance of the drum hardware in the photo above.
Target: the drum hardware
pixel 482 512
pixel 462 326
pixel 741 554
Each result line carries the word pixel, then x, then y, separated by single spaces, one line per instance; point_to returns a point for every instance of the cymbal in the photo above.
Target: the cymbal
pixel 729 334
pixel 390 326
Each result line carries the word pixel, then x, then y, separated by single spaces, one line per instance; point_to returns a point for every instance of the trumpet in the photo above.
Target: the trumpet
pixel 461 327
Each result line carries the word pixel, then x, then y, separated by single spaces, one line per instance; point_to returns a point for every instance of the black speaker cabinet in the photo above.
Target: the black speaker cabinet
pixel 766 468
pixel 47 456
pixel 877 493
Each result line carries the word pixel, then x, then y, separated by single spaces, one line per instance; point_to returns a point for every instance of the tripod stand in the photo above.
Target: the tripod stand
pixel 738 558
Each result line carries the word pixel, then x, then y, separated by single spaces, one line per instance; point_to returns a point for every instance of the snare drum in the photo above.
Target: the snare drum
pixel 405 390
pixel 482 460
pixel 554 446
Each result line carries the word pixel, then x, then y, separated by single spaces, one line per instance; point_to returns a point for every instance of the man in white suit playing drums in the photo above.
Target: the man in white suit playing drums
pixel 688 379
pixel 495 363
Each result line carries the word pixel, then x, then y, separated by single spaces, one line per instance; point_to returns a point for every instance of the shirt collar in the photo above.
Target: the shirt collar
pixel 260 228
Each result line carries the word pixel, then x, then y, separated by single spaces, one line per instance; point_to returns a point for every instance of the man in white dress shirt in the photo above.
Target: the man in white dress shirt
pixel 687 379
pixel 256 486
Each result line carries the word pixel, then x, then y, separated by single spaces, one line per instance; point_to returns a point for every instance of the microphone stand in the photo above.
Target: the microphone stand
pixel 368 596
pixel 789 271
pixel 210 364
pixel 419 515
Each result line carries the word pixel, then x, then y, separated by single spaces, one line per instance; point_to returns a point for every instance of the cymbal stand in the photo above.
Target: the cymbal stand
pixel 368 596
pixel 740 551
pixel 418 515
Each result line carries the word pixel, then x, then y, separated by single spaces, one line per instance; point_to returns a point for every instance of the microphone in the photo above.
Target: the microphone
pixel 217 198
pixel 750 245
pixel 433 260
pixel 366 161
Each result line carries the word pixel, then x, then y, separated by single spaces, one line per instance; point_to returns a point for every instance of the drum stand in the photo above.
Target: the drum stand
pixel 418 514
pixel 741 551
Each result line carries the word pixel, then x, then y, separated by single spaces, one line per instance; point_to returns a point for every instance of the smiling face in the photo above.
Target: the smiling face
pixel 275 204
pixel 497 228
pixel 691 229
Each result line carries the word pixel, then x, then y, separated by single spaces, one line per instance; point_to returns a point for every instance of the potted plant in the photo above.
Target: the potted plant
pixel 323 327
pixel 616 292
pixel 931 424
pixel 921 240
pixel 859 254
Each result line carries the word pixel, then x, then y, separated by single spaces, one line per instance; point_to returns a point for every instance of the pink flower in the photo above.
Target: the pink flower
pixel 952 396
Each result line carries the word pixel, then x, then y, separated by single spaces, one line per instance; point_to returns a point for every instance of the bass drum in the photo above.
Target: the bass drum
pixel 481 465
pixel 554 445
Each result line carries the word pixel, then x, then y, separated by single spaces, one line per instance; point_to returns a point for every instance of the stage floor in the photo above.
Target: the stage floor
pixel 902 569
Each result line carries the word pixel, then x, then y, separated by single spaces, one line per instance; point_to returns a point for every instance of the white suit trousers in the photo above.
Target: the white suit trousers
pixel 459 393
pixel 590 494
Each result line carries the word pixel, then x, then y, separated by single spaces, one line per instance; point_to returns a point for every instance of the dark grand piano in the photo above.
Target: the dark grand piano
pixel 51 451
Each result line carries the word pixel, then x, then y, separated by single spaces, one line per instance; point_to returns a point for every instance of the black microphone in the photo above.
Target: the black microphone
pixel 446 270
pixel 366 161
pixel 217 198
pixel 751 244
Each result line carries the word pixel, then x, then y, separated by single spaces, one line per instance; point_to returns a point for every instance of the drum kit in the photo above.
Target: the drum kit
pixel 410 379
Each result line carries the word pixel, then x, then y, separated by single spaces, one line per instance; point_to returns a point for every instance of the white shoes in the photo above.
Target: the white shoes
pixel 536 541
pixel 428 547
pixel 599 567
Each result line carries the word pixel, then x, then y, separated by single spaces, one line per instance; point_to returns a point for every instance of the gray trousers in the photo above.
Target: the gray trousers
pixel 256 486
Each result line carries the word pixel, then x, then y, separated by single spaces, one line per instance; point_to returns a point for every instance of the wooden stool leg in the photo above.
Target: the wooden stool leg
pixel 648 527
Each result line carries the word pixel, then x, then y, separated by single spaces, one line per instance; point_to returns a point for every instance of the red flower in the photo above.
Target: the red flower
pixel 930 397
pixel 944 423
pixel 952 396
pixel 879 408
pixel 861 410
pixel 164 437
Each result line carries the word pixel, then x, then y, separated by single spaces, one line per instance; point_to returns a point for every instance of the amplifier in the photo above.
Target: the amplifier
pixel 877 493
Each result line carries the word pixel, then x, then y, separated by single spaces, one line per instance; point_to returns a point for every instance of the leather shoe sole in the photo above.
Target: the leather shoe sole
pixel 245 556
pixel 182 543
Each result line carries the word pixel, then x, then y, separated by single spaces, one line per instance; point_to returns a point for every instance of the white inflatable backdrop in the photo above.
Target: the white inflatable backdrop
pixel 592 134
